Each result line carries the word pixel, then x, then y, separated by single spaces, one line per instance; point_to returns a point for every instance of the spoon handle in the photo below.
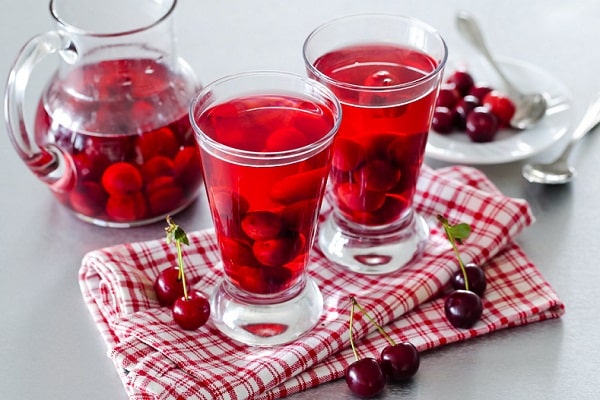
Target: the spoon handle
pixel 590 119
pixel 468 27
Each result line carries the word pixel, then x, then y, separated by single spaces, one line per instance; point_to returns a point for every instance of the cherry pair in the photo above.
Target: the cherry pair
pixel 190 310
pixel 397 362
pixel 463 306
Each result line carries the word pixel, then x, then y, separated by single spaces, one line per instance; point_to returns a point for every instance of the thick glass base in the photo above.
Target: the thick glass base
pixel 372 252
pixel 265 323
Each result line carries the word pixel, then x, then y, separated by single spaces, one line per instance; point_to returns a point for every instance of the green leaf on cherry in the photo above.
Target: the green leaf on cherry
pixel 460 231
pixel 456 234
pixel 175 233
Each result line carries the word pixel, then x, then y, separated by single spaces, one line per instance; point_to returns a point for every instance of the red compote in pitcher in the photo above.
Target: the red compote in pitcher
pixel 111 137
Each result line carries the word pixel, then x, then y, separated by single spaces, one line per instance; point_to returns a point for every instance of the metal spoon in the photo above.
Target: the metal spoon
pixel 530 107
pixel 559 171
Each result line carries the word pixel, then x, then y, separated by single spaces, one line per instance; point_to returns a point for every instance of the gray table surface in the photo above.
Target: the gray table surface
pixel 49 346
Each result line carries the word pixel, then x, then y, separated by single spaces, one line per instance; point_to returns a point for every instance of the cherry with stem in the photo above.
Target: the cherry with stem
pixel 364 376
pixel 463 307
pixel 191 310
pixel 399 361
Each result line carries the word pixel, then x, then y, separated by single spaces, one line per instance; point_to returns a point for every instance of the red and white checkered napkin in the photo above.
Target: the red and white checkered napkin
pixel 158 360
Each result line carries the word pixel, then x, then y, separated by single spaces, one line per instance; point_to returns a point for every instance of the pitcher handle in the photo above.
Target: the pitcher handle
pixel 46 162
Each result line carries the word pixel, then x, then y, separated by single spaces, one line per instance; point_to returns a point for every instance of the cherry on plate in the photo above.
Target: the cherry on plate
pixel 448 97
pixel 481 125
pixel 480 90
pixel 462 81
pixel 443 120
pixel 501 106
pixel 463 109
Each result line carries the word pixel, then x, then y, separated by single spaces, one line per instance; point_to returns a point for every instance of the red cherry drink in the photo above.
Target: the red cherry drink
pixel 380 145
pixel 124 129
pixel 265 216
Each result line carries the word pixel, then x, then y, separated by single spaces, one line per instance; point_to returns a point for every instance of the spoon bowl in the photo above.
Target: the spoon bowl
pixel 558 171
pixel 551 174
pixel 530 107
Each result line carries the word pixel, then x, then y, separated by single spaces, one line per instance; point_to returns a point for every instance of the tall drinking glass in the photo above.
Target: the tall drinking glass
pixel 385 71
pixel 265 140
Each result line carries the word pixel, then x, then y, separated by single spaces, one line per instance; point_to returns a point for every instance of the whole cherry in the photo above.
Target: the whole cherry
pixel 168 286
pixel 463 307
pixel 191 310
pixel 462 81
pixel 475 277
pixel 397 361
pixel 481 125
pixel 364 376
pixel 400 361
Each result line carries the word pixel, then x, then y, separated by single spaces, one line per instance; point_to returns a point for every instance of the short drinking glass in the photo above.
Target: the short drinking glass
pixel 385 71
pixel 265 140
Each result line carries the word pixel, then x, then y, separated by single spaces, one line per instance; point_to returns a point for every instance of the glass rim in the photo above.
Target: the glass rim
pixel 71 27
pixel 257 156
pixel 378 89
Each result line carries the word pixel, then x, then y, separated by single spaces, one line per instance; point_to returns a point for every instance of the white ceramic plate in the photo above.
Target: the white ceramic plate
pixel 508 145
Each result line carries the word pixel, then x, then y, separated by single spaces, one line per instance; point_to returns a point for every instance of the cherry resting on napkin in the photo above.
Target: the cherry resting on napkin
pixel 397 362
pixel 190 310
pixel 463 307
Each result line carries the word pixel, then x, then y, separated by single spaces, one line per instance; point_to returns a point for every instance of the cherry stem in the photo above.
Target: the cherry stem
pixel 181 273
pixel 379 328
pixel 455 249
pixel 350 323
pixel 175 233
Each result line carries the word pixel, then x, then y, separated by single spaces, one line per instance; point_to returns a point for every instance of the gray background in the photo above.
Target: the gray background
pixel 49 346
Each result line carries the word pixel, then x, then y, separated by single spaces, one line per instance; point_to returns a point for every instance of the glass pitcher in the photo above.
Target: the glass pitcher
pixel 111 135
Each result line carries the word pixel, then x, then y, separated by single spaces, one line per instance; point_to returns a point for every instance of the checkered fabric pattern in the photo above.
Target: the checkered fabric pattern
pixel 157 360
